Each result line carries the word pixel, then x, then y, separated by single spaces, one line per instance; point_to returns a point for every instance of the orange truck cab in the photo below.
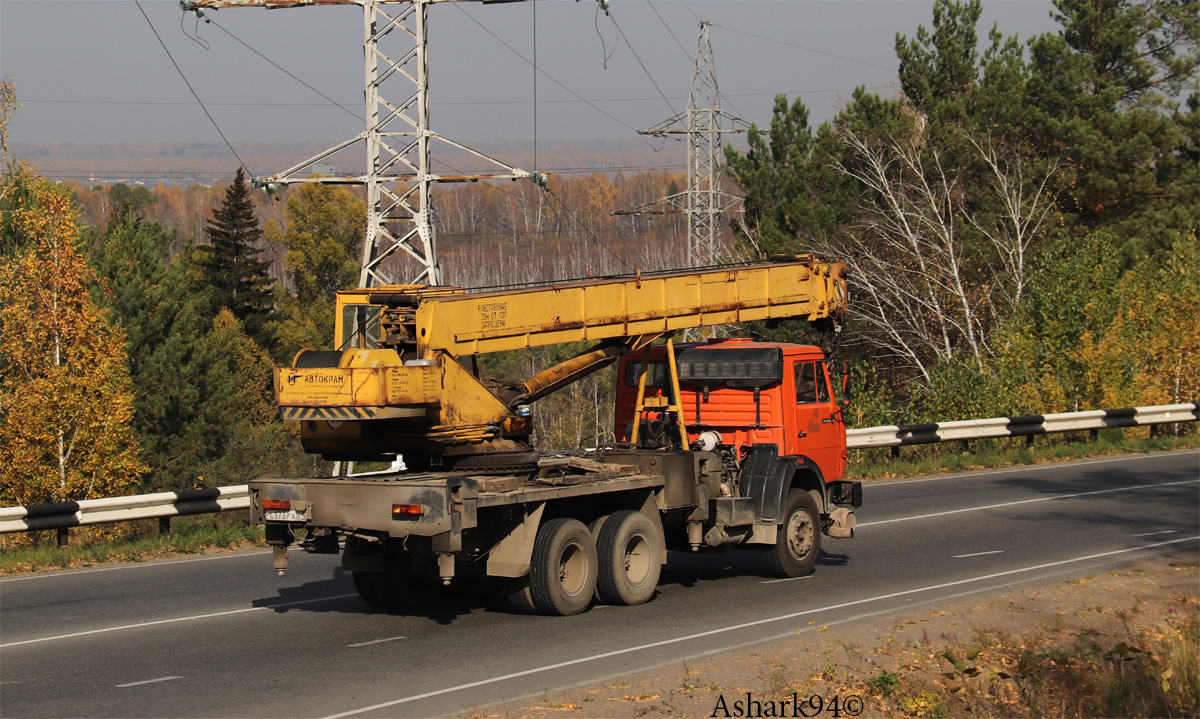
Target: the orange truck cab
pixel 745 397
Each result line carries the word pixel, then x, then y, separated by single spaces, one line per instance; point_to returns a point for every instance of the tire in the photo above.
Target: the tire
pixel 562 571
pixel 628 550
pixel 517 594
pixel 798 543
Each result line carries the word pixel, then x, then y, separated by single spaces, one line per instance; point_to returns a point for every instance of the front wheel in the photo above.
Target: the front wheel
pixel 798 542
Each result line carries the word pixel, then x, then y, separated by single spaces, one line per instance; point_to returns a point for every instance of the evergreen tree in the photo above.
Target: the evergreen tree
pixel 792 196
pixel 323 237
pixel 1102 93
pixel 939 70
pixel 237 277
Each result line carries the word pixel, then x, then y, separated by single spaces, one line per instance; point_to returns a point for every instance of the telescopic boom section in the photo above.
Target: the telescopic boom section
pixel 395 384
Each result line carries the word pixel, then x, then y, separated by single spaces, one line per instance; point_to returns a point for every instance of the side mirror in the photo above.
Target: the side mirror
pixel 845 394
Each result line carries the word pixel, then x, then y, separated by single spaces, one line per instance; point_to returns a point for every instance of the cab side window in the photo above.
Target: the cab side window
pixel 811 387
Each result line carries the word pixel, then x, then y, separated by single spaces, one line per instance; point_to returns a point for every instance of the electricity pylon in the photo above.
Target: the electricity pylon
pixel 398 138
pixel 702 123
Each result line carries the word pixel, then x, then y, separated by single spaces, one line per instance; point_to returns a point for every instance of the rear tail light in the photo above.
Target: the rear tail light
pixel 277 504
pixel 407 511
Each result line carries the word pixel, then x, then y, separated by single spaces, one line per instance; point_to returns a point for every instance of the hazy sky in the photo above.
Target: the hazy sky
pixel 93 71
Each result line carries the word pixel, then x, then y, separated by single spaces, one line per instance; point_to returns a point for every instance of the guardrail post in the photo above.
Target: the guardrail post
pixel 1029 441
pixel 64 536
pixel 1094 435
pixel 164 525
pixel 895 453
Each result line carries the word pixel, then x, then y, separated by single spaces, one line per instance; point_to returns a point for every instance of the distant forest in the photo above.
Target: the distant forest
pixel 1019 219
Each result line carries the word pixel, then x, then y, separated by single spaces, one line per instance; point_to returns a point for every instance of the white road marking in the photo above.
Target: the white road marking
pixel 71 573
pixel 977 554
pixel 376 641
pixel 1034 468
pixel 787 579
pixel 745 625
pixel 147 681
pixel 1152 534
pixel 172 621
pixel 1028 501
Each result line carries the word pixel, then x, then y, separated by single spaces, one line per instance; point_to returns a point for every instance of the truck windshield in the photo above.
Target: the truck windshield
pixel 360 327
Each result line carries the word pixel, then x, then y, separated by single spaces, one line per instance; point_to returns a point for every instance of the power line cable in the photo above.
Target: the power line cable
pixel 605 55
pixel 442 103
pixel 582 226
pixel 686 54
pixel 286 72
pixel 801 47
pixel 639 61
pixel 189 87
pixel 582 99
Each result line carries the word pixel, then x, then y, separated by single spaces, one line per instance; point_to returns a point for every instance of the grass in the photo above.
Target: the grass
pixel 130 542
pixel 949 457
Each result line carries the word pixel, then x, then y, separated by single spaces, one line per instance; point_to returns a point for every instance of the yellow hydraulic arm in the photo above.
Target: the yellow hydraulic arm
pixel 396 385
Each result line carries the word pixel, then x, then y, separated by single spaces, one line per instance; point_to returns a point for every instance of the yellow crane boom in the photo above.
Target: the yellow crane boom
pixel 395 385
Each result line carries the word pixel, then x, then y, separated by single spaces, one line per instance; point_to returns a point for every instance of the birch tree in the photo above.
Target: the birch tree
pixel 65 397
pixel 926 289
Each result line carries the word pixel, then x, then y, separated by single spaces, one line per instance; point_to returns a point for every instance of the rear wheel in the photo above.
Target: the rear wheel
pixel 798 542
pixel 628 549
pixel 562 571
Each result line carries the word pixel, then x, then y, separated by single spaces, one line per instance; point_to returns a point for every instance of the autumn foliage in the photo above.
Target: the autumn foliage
pixel 65 394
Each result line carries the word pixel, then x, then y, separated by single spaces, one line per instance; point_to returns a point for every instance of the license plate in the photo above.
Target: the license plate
pixel 286 515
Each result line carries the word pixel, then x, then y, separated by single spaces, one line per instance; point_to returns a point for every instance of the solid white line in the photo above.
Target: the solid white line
pixel 1153 534
pixel 977 554
pixel 787 579
pixel 745 625
pixel 147 681
pixel 172 621
pixel 376 641
pixel 142 565
pixel 1032 468
pixel 1027 501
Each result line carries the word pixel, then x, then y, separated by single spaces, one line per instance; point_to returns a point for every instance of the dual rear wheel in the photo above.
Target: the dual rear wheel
pixel 618 564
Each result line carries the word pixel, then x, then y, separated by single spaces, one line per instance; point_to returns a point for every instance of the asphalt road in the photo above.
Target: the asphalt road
pixel 224 637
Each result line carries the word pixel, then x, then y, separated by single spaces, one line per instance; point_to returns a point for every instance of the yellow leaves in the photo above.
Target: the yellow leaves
pixel 65 432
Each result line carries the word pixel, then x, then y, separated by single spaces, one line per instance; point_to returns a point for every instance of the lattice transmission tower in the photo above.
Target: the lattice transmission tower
pixel 398 138
pixel 702 123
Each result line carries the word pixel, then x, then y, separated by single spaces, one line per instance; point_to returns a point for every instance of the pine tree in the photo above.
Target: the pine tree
pixel 237 277
pixel 1102 92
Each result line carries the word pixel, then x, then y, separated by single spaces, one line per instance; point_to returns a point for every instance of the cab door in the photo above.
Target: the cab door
pixel 814 423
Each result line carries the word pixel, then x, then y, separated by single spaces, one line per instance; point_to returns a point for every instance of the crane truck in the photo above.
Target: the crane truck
pixel 716 444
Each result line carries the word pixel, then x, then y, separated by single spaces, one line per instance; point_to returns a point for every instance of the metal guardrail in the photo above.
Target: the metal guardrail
pixel 1028 426
pixel 161 506
pixel 164 505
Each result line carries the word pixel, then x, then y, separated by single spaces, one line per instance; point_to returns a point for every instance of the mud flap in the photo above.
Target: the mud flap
pixel 766 478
